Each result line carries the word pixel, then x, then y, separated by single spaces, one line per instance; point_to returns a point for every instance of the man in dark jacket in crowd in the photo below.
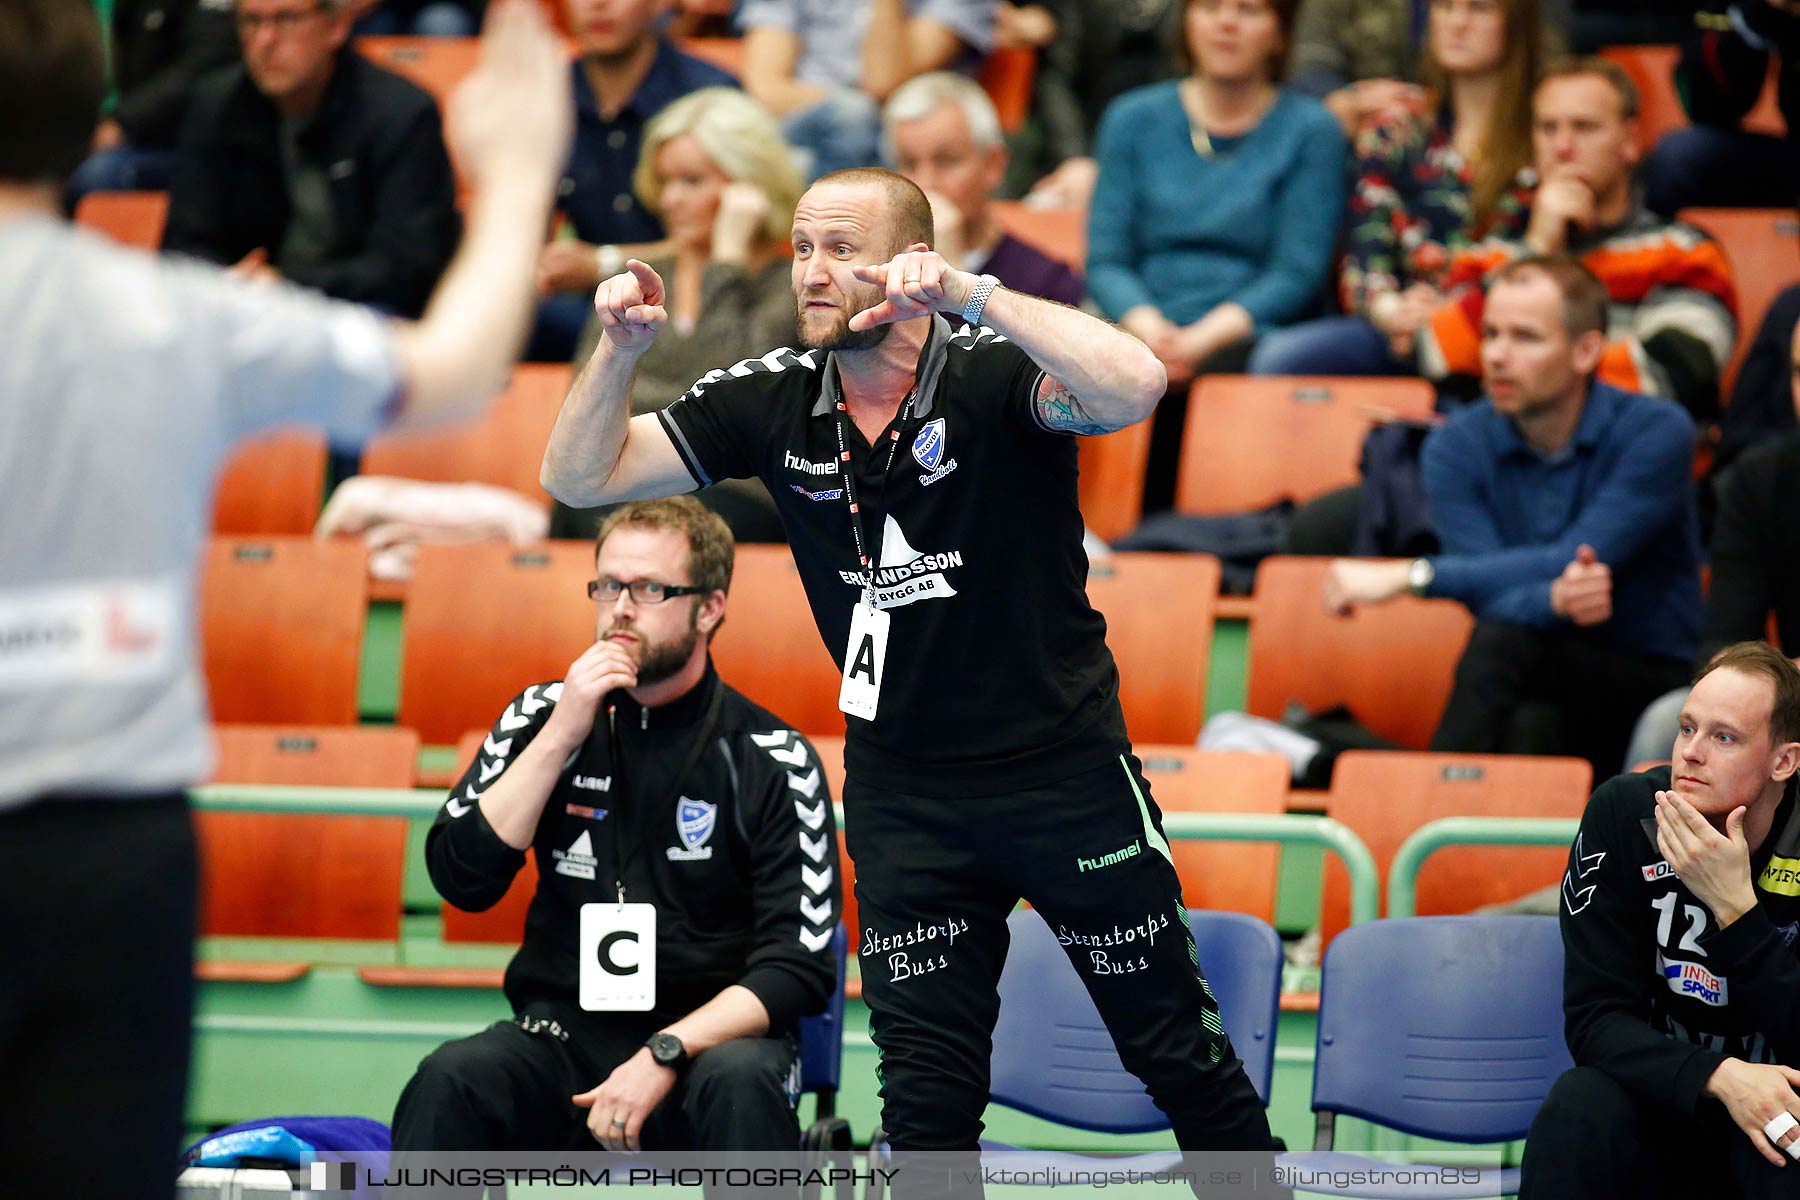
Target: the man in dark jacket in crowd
pixel 309 163
pixel 158 49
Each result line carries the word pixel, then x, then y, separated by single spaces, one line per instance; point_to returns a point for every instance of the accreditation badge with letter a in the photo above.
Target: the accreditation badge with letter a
pixel 864 659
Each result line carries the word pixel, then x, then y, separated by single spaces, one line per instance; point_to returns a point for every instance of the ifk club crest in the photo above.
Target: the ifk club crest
pixel 694 822
pixel 928 451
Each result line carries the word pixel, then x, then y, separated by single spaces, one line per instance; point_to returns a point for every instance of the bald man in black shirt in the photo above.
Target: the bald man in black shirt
pixel 927 482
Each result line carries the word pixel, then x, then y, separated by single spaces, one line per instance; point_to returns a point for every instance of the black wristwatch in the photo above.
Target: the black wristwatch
pixel 667 1050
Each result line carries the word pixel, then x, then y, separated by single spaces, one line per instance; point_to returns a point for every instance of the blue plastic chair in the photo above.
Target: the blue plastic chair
pixel 1054 1058
pixel 1442 1027
pixel 821 1039
pixel 822 1060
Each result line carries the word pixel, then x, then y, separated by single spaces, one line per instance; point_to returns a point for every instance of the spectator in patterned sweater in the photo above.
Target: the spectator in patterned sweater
pixel 1674 306
pixel 1432 176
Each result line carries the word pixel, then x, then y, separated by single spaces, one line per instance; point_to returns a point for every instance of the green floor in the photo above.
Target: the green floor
pixel 331 1043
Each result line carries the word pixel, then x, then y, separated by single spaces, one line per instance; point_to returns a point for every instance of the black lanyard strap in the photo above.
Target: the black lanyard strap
pixel 622 856
pixel 863 555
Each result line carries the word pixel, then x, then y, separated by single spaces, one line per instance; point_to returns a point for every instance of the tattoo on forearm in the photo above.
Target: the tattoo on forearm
pixel 1061 410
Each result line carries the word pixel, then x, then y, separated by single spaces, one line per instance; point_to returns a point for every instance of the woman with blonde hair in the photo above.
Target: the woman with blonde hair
pixel 1432 178
pixel 715 170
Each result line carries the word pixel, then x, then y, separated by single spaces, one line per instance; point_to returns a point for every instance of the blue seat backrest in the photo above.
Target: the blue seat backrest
pixel 822 1036
pixel 1054 1058
pixel 1444 1027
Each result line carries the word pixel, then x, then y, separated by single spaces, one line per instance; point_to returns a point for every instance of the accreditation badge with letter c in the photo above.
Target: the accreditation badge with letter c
pixel 618 957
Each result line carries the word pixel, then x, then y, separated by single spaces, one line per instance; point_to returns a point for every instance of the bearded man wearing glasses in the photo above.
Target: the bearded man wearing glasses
pixel 687 890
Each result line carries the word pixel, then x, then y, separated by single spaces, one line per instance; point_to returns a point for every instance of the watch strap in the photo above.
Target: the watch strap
pixel 978 298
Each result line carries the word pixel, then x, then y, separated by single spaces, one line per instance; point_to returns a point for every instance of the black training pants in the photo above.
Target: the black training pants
pixel 508 1089
pixel 97 901
pixel 1592 1141
pixel 1089 854
pixel 1523 690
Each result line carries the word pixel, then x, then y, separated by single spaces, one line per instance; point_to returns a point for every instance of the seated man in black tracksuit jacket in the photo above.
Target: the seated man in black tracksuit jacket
pixel 687 890
pixel 309 162
pixel 1681 979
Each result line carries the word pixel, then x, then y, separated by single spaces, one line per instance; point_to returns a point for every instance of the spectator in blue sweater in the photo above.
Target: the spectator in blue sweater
pixel 1566 512
pixel 1216 208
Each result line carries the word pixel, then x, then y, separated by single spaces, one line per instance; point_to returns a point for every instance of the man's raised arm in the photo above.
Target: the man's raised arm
pixel 598 452
pixel 1100 377
pixel 509 125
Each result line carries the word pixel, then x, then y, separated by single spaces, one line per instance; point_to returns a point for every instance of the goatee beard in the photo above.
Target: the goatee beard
pixel 841 336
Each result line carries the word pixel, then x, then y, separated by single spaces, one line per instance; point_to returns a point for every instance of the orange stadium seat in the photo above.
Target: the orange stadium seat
pixel 281 623
pixel 504 448
pixel 272 484
pixel 770 650
pixel 1007 76
pixel 1111 487
pixel 293 875
pixel 504 923
pixel 132 218
pixel 1763 247
pixel 485 620
pixel 1391 664
pixel 1159 626
pixel 1253 440
pixel 1660 110
pixel 1239 876
pixel 1059 232
pixel 1383 797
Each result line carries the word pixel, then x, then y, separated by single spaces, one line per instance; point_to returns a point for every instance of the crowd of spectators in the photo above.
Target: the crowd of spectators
pixel 1283 187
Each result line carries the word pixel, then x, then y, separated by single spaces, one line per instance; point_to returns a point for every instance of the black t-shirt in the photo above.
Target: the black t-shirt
pixel 997 675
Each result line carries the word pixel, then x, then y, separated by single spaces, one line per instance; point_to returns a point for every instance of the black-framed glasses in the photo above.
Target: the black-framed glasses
pixel 643 591
pixel 284 21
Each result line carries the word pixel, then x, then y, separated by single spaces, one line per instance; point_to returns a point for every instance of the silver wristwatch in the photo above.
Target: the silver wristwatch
pixel 1419 574
pixel 978 298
